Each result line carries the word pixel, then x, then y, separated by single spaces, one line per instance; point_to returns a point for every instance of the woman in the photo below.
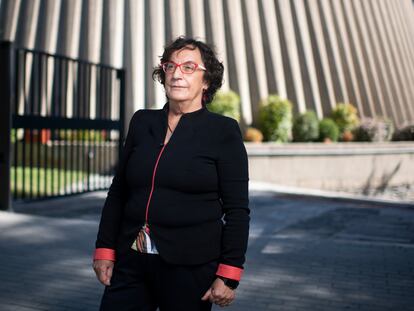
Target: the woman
pixel 174 227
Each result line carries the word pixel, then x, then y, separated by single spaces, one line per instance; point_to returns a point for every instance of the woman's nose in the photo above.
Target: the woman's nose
pixel 177 73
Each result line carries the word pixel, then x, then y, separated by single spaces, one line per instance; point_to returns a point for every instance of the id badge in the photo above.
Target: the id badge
pixel 143 243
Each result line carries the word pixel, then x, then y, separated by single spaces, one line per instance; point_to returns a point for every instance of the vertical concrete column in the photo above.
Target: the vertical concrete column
pixel 310 63
pixel 377 98
pixel 388 60
pixel 25 37
pixel 157 30
pixel 47 41
pixel 90 45
pixel 405 34
pixel 408 10
pixel 48 26
pixel 256 44
pixel 237 37
pixel 91 34
pixel 408 43
pixel 9 13
pixel 112 46
pixel 403 64
pixel 332 38
pixel 28 19
pixel 219 37
pixel 273 31
pixel 326 78
pixel 178 16
pixel 68 45
pixel 134 59
pixel 385 92
pixel 369 107
pixel 117 60
pixel 289 34
pixel 69 32
pixel 197 19
pixel 113 33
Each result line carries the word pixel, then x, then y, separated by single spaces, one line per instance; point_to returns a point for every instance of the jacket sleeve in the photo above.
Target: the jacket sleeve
pixel 232 167
pixel 112 211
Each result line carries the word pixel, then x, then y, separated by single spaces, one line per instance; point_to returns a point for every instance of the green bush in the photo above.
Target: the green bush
pixel 275 119
pixel 306 127
pixel 404 134
pixel 328 130
pixel 374 129
pixel 227 104
pixel 345 116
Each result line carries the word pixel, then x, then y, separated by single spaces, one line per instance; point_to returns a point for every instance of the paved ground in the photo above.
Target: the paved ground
pixel 306 253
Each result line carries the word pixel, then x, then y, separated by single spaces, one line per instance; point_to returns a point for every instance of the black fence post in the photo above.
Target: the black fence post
pixel 7 97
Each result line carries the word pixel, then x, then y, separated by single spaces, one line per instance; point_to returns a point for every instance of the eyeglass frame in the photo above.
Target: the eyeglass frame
pixel 180 64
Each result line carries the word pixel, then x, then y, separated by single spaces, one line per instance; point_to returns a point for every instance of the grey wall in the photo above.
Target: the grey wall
pixel 355 167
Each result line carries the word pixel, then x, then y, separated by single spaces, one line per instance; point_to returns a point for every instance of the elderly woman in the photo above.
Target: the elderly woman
pixel 174 227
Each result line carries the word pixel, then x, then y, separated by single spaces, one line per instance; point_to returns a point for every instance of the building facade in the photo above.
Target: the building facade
pixel 316 53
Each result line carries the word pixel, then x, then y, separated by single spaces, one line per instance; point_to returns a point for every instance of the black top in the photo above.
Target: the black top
pixel 201 176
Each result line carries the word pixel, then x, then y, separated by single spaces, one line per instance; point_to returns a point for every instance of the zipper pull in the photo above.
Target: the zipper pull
pixel 147 230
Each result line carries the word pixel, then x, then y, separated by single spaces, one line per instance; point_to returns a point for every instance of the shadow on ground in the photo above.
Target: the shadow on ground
pixel 304 254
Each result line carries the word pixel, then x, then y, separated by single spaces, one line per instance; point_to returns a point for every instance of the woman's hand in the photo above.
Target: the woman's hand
pixel 219 294
pixel 103 270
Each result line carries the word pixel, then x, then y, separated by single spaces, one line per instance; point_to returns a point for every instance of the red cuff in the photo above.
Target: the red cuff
pixel 104 254
pixel 229 272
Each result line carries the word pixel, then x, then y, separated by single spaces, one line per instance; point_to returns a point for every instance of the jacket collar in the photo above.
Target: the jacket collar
pixel 187 114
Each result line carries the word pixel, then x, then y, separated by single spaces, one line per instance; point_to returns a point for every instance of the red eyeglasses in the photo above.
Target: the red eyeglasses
pixel 186 67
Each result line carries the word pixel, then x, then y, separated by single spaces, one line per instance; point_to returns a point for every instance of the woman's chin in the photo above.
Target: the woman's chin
pixel 177 97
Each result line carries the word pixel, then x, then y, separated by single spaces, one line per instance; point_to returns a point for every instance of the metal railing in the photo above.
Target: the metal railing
pixel 66 123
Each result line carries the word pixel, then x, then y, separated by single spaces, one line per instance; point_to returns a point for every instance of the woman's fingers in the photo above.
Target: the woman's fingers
pixel 207 295
pixel 103 270
pixel 102 277
pixel 223 298
pixel 219 294
pixel 107 276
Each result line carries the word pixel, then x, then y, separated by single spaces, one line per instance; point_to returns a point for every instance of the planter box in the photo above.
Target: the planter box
pixel 334 167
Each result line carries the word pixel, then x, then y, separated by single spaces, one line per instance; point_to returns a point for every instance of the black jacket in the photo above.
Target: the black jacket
pixel 201 176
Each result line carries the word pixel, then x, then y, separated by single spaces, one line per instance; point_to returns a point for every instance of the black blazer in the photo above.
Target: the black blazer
pixel 201 176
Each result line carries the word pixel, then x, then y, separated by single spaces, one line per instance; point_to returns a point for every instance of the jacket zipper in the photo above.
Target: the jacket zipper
pixel 147 230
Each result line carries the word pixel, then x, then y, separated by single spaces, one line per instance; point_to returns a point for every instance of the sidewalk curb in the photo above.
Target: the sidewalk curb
pixel 337 196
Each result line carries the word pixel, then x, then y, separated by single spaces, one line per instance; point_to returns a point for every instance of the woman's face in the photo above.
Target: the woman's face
pixel 184 87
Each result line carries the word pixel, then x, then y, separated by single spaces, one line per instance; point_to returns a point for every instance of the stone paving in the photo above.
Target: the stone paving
pixel 305 253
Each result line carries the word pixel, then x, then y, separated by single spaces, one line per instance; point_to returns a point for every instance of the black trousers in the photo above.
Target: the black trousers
pixel 145 282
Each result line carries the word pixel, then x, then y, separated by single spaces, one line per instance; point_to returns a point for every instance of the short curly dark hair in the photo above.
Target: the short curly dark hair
pixel 213 75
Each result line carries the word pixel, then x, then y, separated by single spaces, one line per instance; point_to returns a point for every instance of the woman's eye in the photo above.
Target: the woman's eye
pixel 188 67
